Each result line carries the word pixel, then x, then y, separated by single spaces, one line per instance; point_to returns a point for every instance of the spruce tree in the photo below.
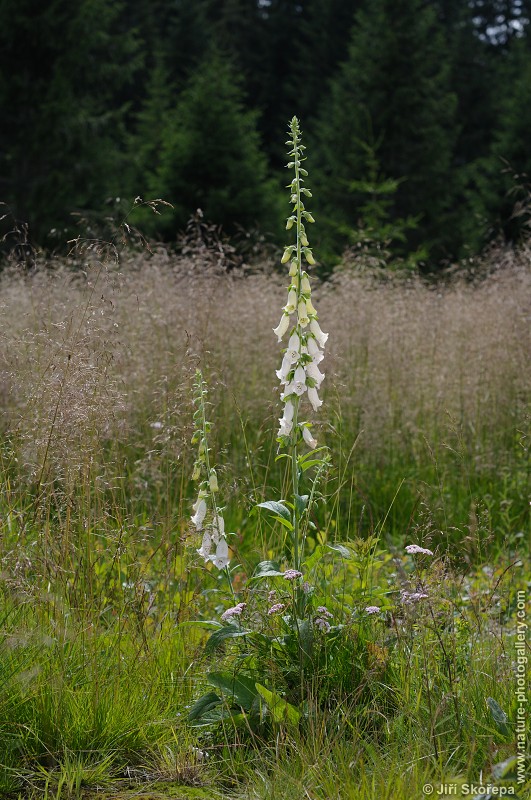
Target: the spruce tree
pixel 64 69
pixel 211 155
pixel 395 82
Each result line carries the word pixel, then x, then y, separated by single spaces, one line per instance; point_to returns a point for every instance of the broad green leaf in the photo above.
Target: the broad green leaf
pixel 280 709
pixel 240 687
pixel 498 715
pixel 206 703
pixel 267 569
pixel 301 502
pixel 341 549
pixel 219 636
pixel 505 769
pixel 277 508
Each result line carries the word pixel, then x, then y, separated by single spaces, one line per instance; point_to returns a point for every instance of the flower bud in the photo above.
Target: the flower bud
pixel 289 223
pixel 305 283
pixel 213 481
pixel 292 301
pixel 309 257
pixel 293 268
pixel 286 256
pixel 302 313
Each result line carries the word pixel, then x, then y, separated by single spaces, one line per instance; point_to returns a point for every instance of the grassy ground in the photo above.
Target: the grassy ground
pixel 426 415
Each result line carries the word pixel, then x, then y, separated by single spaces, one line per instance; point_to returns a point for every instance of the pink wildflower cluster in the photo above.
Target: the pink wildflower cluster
pixel 415 548
pixel 292 574
pixel 235 611
pixel 276 609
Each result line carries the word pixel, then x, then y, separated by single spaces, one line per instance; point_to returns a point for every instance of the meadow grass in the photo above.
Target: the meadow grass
pixel 427 420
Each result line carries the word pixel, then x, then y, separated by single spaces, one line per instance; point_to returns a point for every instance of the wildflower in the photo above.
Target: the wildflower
pixel 276 609
pixel 415 548
pixel 313 371
pixel 206 545
pixel 302 313
pixel 235 611
pixel 291 305
pixel 286 421
pixel 308 438
pixel 313 350
pixel 292 574
pixel 271 595
pixel 221 558
pixel 318 333
pixel 200 509
pixel 305 283
pixel 322 624
pixel 372 610
pixel 213 481
pixel 408 598
pixel 306 587
pixel 324 612
pixel 314 399
pixel 282 327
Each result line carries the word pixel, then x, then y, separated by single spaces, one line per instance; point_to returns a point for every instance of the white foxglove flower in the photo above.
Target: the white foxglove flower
pixel 206 545
pixel 285 427
pixel 302 313
pixel 200 514
pixel 299 381
pixel 282 373
pixel 286 421
pixel 221 558
pixel 313 371
pixel 218 528
pixel 317 332
pixel 294 346
pixel 313 349
pixel 309 307
pixel 305 283
pixel 313 397
pixel 282 327
pixel 308 438
pixel 291 305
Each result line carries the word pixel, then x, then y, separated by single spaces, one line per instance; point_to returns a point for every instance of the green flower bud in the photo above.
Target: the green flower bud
pixel 309 256
pixel 287 255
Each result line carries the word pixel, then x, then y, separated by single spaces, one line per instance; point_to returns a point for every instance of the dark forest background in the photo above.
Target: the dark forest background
pixel 416 114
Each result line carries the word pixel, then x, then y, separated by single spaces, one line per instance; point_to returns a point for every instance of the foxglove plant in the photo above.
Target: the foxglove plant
pixel 299 372
pixel 207 518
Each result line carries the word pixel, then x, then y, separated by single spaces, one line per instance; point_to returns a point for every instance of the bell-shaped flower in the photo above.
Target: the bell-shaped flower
pixel 309 307
pixel 302 313
pixel 200 509
pixel 285 367
pixel 313 397
pixel 318 333
pixel 221 558
pixel 291 305
pixel 282 327
pixel 286 421
pixel 305 283
pixel 313 371
pixel 308 438
pixel 294 346
pixel 299 381
pixel 218 528
pixel 313 350
pixel 206 545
